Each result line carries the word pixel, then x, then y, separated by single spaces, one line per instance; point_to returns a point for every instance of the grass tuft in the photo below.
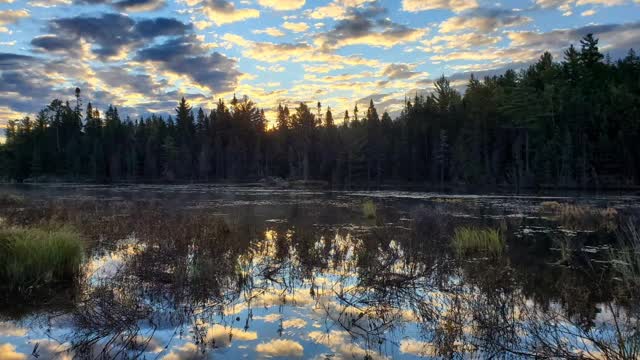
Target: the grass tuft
pixel 626 258
pixel 31 257
pixel 470 240
pixel 369 209
pixel 581 217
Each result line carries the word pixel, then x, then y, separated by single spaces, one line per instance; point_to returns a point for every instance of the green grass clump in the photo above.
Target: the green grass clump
pixel 469 240
pixel 31 257
pixel 369 209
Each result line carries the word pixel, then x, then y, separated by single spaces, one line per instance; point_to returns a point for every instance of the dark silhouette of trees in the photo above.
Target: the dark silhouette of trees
pixel 573 123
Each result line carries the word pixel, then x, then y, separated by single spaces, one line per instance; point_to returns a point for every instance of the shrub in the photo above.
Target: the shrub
pixel 469 240
pixel 369 209
pixel 31 257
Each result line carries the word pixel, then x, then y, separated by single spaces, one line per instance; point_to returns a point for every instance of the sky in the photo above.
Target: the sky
pixel 143 55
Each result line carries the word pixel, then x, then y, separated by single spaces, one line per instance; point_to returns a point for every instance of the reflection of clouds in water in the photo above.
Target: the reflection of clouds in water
pixel 8 352
pixel 188 351
pixel 268 318
pixel 272 297
pixel 340 344
pixel 416 347
pixel 107 266
pixel 11 329
pixel 148 344
pixel 222 336
pixel 357 319
pixel 50 349
pixel 281 347
pixel 294 323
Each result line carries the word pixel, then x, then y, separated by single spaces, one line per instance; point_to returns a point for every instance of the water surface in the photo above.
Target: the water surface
pixel 305 274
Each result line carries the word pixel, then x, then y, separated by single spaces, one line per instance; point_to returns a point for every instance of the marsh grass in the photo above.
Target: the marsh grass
pixel 470 240
pixel 32 257
pixel 581 217
pixel 625 260
pixel 369 209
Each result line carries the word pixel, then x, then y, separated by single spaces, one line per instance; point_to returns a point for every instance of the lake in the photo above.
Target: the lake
pixel 211 271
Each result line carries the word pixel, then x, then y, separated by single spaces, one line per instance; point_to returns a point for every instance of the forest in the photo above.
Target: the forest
pixel 573 123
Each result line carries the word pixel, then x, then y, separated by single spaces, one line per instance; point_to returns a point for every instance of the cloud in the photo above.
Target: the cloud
pixel 399 71
pixel 281 348
pixel 559 3
pixel 139 5
pixel 440 43
pixel 186 56
pixel 109 34
pixel 526 46
pixel 282 5
pixel 128 5
pixel 48 3
pixel 119 77
pixel 8 60
pixel 362 28
pixel 613 37
pixel 484 20
pixel 296 52
pixel 566 5
pixel 222 12
pixel 23 82
pixel 424 5
pixel 337 9
pixel 8 17
pixel 27 82
pixel 295 26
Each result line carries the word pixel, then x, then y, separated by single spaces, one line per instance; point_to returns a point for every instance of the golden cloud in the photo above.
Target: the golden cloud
pixel 295 26
pixel 282 5
pixel 424 5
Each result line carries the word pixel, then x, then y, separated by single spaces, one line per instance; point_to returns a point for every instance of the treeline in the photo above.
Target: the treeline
pixel 574 123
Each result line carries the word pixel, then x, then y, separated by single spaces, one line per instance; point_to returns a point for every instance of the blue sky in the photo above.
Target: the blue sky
pixel 142 55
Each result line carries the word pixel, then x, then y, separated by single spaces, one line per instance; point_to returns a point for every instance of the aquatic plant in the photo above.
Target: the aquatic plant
pixel 581 217
pixel 369 209
pixel 625 260
pixel 468 240
pixel 31 257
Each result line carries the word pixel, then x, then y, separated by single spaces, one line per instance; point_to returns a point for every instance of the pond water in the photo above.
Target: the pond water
pixel 190 272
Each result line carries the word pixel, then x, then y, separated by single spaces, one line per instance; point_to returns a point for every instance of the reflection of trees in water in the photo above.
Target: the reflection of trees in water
pixel 191 274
